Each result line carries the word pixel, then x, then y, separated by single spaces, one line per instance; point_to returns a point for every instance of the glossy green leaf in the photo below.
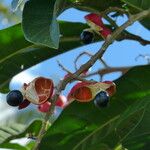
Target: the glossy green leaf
pixel 140 136
pixel 139 143
pixel 39 22
pixel 30 145
pixel 139 5
pixel 98 146
pixel 82 126
pixel 10 130
pixel 18 54
pixel 13 146
pixel 14 130
pixel 146 23
pixel 23 123
pixel 95 5
pixel 123 129
pixel 15 4
pixel 39 17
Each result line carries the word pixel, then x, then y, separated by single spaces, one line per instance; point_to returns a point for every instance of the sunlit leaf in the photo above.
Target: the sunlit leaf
pixel 39 22
pixel 82 126
pixel 15 4
pixel 18 54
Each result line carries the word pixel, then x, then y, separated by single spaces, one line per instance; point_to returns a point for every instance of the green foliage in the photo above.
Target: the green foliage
pixel 96 5
pixel 83 126
pixel 16 52
pixel 139 5
pixel 39 22
pixel 39 18
pixel 11 129
pixel 15 4
pixel 124 124
pixel 16 130
pixel 30 145
pixel 13 146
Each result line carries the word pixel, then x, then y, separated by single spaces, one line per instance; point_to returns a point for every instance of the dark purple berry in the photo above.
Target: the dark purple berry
pixel 87 37
pixel 101 99
pixel 14 98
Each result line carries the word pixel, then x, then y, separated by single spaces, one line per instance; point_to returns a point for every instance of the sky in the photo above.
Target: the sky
pixel 118 54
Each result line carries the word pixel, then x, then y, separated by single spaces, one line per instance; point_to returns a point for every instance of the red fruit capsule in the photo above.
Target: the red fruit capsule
pixel 77 92
pixel 38 91
pixel 85 92
pixel 112 89
pixel 105 32
pixel 44 107
pixel 61 101
pixel 24 104
pixel 67 75
pixel 96 23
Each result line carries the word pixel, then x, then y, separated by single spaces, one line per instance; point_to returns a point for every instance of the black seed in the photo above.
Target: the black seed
pixel 101 99
pixel 87 37
pixel 14 98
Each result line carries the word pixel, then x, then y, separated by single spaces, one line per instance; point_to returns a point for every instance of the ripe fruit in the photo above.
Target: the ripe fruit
pixel 94 21
pixel 24 104
pixel 101 99
pixel 86 91
pixel 44 107
pixel 112 89
pixel 38 91
pixel 96 24
pixel 105 32
pixel 80 92
pixel 14 98
pixel 61 101
pixel 87 37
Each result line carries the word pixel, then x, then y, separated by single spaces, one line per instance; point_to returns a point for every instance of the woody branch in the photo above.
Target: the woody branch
pixel 84 67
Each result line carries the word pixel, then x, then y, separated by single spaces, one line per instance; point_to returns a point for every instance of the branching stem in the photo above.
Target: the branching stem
pixel 84 67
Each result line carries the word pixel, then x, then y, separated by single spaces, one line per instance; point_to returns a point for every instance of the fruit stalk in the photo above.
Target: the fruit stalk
pixel 87 65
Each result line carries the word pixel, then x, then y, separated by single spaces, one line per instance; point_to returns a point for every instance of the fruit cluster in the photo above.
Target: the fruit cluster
pixel 100 92
pixel 61 101
pixel 41 90
pixel 96 25
pixel 38 92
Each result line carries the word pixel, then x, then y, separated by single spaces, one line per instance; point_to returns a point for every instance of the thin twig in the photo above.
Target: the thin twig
pixel 146 57
pixel 111 21
pixel 84 67
pixel 104 71
pixel 104 63
pixel 79 56
pixel 80 78
pixel 90 55
pixel 125 35
pixel 129 36
pixel 114 9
